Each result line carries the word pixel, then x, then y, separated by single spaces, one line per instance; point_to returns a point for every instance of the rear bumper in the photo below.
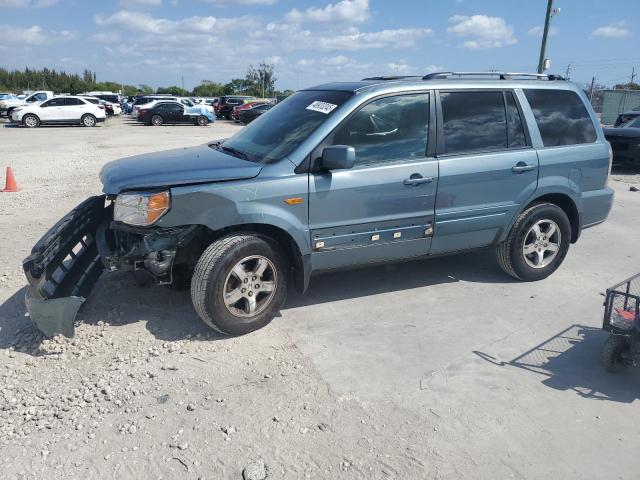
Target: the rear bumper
pixel 596 206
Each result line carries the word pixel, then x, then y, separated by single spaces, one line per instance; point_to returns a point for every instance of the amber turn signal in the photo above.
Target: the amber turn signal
pixel 157 206
pixel 293 200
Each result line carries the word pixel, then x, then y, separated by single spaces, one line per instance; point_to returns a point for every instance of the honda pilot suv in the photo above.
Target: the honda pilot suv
pixel 337 176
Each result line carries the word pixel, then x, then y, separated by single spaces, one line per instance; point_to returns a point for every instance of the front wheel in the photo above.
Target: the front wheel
pixel 613 353
pixel 31 121
pixel 239 284
pixel 537 243
pixel 88 120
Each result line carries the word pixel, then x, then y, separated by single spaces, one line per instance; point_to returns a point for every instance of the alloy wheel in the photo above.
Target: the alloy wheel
pixel 542 243
pixel 250 286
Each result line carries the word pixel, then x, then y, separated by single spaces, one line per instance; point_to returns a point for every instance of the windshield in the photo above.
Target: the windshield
pixel 279 131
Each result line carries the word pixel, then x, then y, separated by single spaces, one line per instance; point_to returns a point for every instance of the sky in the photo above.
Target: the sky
pixel 168 42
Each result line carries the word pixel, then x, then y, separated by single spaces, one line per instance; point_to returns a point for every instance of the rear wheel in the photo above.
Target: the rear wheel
pixel 537 243
pixel 613 352
pixel 239 284
pixel 156 120
pixel 88 120
pixel 30 121
pixel 202 121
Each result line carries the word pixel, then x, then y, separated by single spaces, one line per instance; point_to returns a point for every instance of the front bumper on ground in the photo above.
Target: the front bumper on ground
pixel 63 268
pixel 66 263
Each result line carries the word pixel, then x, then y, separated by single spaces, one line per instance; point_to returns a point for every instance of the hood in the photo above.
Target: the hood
pixel 622 132
pixel 182 166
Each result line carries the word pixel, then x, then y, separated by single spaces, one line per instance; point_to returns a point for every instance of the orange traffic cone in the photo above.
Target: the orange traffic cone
pixel 11 185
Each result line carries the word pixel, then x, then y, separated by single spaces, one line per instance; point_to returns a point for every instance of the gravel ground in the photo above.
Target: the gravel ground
pixel 144 390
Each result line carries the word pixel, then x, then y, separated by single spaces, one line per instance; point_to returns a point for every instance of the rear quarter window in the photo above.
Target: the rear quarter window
pixel 561 116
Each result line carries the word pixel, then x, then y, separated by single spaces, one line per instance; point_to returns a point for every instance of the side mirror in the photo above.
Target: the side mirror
pixel 338 157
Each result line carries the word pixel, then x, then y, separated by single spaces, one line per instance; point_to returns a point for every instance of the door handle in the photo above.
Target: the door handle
pixel 417 179
pixel 522 167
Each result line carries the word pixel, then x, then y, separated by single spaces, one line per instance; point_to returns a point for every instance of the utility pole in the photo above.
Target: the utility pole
pixel 593 80
pixel 547 24
pixel 633 74
pixel 566 75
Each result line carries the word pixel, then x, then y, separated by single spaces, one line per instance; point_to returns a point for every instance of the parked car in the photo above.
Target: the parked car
pixel 227 102
pixel 9 104
pixel 6 95
pixel 337 176
pixel 249 115
pixel 625 142
pixel 627 116
pixel 106 96
pixel 174 112
pixel 235 111
pixel 59 110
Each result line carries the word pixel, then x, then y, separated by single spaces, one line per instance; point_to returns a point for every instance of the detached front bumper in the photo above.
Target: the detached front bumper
pixel 64 266
pixel 66 263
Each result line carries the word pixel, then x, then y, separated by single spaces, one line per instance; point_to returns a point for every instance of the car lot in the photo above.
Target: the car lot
pixel 442 368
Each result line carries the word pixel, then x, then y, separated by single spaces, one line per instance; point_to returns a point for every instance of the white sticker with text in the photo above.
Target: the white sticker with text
pixel 322 107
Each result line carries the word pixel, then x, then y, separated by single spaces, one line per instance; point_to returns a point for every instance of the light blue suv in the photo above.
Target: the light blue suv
pixel 336 176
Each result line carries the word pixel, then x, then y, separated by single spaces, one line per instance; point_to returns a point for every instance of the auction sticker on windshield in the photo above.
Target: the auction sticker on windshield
pixel 322 107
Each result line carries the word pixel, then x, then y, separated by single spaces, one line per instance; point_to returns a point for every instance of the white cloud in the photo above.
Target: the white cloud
pixel 146 23
pixel 613 30
pixel 106 37
pixel 240 2
pixel 337 60
pixel 27 3
pixel 356 40
pixel 483 31
pixel 305 62
pixel 140 3
pixel 345 11
pixel 32 36
pixel 538 30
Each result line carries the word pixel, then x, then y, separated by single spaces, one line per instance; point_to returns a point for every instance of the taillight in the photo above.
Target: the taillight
pixel 101 107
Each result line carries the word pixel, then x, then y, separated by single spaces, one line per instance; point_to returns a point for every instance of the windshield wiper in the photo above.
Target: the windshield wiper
pixel 234 152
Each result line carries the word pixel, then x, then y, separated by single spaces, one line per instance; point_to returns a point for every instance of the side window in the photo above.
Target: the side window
pixel 72 102
pixel 561 116
pixel 54 102
pixel 514 123
pixel 387 129
pixel 473 121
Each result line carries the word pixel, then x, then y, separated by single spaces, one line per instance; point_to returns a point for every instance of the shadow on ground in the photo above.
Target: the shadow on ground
pixel 169 315
pixel 570 360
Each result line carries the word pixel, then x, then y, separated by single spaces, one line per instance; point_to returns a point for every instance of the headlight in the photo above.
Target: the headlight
pixel 141 208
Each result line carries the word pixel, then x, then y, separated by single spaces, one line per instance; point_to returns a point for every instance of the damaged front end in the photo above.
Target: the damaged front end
pixel 66 263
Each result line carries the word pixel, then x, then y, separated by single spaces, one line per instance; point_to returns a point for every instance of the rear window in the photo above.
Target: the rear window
pixel 473 121
pixel 561 116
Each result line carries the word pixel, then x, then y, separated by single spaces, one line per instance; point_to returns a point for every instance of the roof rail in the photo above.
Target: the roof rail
pixel 390 77
pixel 500 75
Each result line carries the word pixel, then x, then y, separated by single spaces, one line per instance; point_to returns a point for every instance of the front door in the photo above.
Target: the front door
pixel 382 208
pixel 487 167
pixel 52 110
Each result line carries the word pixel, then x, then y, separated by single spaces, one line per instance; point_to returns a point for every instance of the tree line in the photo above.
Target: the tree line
pixel 259 82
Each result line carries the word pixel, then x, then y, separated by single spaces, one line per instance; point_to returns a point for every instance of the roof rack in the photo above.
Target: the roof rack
pixel 391 77
pixel 500 75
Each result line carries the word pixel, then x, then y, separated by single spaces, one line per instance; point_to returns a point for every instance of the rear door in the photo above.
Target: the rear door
pixel 487 167
pixel 382 208
pixel 74 109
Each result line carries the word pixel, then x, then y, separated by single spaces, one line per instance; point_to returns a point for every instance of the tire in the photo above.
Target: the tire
pixel 30 121
pixel 157 120
pixel 88 120
pixel 202 121
pixel 523 235
pixel 612 351
pixel 215 275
